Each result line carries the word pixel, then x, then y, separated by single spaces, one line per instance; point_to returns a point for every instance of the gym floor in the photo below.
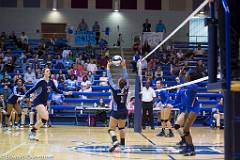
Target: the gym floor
pixel 75 142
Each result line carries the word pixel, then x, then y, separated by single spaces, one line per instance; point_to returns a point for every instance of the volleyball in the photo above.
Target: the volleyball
pixel 117 60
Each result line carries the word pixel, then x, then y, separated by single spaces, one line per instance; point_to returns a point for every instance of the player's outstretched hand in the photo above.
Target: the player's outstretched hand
pixel 123 63
pixel 109 64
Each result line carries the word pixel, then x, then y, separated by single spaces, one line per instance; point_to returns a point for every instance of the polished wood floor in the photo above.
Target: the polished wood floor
pixel 74 142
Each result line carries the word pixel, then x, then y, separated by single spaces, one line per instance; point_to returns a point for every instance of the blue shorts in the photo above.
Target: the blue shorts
pixel 119 114
pixel 193 109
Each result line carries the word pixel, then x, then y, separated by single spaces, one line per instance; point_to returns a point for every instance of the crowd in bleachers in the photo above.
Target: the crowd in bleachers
pixel 76 69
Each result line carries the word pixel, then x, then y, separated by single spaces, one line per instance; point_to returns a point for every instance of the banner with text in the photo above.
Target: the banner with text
pixel 153 38
pixel 85 38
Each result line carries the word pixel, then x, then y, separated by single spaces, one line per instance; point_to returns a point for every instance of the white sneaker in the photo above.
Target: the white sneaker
pixel 32 136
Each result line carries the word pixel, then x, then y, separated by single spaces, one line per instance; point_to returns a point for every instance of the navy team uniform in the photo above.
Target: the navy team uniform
pixel 119 109
pixel 42 88
pixel 17 92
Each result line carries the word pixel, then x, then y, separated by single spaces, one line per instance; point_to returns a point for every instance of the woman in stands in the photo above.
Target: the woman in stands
pixel 119 109
pixel 13 108
pixel 166 108
pixel 42 87
pixel 192 108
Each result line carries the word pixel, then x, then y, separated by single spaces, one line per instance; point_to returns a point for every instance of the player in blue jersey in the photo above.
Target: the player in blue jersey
pixel 41 89
pixel 178 103
pixel 166 108
pixel 119 111
pixel 191 105
pixel 13 108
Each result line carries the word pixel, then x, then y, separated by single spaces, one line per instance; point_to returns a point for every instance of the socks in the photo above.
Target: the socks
pixel 122 141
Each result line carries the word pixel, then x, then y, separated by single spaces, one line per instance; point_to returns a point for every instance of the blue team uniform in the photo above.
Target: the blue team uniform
pixel 190 101
pixel 17 92
pixel 42 88
pixel 119 109
pixel 179 98
pixel 162 97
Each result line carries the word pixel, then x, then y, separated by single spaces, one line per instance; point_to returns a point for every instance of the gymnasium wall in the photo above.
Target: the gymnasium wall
pixel 130 21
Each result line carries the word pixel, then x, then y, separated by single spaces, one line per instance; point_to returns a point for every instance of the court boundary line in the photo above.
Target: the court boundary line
pixel 148 139
pixel 13 149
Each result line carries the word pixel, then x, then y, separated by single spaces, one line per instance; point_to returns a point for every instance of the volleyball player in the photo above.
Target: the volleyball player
pixel 178 103
pixel 192 108
pixel 13 108
pixel 42 89
pixel 166 108
pixel 119 111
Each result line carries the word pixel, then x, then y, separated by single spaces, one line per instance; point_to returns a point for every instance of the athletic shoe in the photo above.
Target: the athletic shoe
pixel 170 134
pixel 32 136
pixel 152 128
pixel 45 126
pixel 114 146
pixel 16 127
pixel 184 150
pixel 161 134
pixel 190 151
pixel 143 127
pixel 180 143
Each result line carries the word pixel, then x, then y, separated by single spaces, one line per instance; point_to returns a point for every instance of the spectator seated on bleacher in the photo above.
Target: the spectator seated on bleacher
pixel 74 70
pixel 86 86
pixel 17 75
pixel 92 66
pixel 218 114
pixel 71 84
pixel 199 51
pixel 158 73
pixel 29 76
pixel 200 68
pixel 103 79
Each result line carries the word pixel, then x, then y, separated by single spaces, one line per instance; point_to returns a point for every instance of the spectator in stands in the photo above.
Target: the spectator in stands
pixel 61 77
pixel 29 76
pixel 103 79
pixel 80 65
pixel 135 59
pixel 6 83
pixel 82 26
pixel 199 51
pixel 59 62
pixel 96 28
pixel 200 68
pixel 74 70
pixel 151 64
pixel 17 76
pixel 72 56
pixel 92 66
pixel 146 48
pixel 71 84
pixel 158 73
pixel 143 63
pixel 148 96
pixel 219 113
pixel 13 37
pixel 102 62
pixel 180 55
pixel 146 26
pixel 24 38
pixel 65 53
pixel 160 27
pixel 90 77
pixel 148 75
pixel 86 85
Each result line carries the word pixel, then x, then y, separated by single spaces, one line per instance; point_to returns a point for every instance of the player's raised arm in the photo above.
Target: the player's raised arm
pixel 110 80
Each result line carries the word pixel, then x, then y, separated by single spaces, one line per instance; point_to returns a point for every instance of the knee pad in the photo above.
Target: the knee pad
pixel 176 126
pixel 165 121
pixel 110 130
pixel 186 133
pixel 44 121
pixel 121 128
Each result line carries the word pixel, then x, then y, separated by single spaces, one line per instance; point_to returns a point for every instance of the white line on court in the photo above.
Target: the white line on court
pixel 11 150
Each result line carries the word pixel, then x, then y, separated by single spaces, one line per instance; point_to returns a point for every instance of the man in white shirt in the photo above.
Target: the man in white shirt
pixel 148 95
pixel 29 76
pixel 92 67
pixel 24 38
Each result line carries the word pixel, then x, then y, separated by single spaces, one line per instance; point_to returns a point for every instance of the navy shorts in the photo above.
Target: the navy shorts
pixel 119 114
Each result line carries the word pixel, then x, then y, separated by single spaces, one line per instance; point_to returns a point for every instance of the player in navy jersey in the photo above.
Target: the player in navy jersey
pixel 166 107
pixel 191 105
pixel 41 89
pixel 119 111
pixel 13 108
